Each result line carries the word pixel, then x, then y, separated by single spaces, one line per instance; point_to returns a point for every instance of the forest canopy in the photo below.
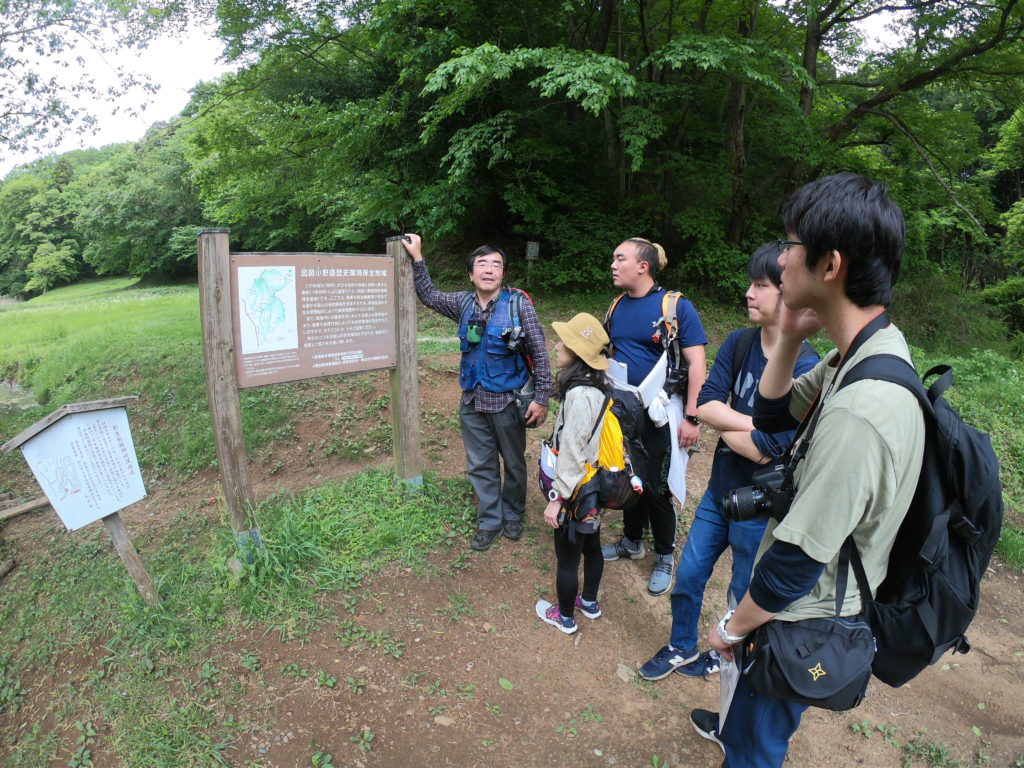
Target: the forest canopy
pixel 576 124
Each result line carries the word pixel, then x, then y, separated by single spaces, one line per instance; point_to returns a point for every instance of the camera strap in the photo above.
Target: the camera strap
pixel 810 420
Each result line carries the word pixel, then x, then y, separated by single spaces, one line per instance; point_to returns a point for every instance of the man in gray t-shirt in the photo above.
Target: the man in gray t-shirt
pixel 839 263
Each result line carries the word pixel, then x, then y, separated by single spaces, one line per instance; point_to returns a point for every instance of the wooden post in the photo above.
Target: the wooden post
pixel 221 378
pixel 130 557
pixel 405 386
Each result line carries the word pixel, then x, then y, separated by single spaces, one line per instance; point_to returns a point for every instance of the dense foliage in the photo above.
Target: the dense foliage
pixel 575 124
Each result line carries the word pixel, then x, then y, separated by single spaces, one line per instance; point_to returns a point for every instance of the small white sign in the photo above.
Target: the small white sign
pixel 86 465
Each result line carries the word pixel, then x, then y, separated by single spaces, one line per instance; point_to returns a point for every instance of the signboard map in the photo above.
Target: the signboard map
pixel 86 465
pixel 303 315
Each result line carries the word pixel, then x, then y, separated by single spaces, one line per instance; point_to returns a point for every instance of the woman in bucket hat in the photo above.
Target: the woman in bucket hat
pixel 582 385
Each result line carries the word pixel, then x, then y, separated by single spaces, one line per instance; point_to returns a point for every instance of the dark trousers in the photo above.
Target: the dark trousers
pixel 491 439
pixel 567 578
pixel 655 506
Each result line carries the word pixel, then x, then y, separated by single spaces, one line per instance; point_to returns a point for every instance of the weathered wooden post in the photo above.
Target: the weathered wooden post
pixel 83 458
pixel 405 386
pixel 215 305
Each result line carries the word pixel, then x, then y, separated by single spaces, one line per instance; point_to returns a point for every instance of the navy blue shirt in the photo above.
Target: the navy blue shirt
pixel 633 325
pixel 729 470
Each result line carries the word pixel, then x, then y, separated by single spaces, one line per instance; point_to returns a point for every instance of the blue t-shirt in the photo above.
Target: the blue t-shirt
pixel 633 325
pixel 730 470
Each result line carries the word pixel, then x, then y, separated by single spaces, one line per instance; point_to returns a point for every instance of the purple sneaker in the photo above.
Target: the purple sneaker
pixel 549 613
pixel 592 610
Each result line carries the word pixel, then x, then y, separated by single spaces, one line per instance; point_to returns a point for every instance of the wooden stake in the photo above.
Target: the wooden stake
pixel 221 378
pixel 130 557
pixel 28 506
pixel 405 387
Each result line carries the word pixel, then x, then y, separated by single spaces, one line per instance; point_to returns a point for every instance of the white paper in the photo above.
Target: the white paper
pixel 651 386
pixel 730 676
pixel 680 457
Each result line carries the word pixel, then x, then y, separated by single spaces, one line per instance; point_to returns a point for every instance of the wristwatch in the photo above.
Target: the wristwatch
pixel 726 637
pixel 554 495
pixel 693 420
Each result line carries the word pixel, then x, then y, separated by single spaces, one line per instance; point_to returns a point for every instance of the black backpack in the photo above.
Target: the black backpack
pixel 931 590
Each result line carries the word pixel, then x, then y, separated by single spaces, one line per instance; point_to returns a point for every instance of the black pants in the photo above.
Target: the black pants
pixel 655 506
pixel 567 579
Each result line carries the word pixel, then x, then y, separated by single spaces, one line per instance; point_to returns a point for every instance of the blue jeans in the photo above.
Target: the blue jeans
pixel 758 728
pixel 709 535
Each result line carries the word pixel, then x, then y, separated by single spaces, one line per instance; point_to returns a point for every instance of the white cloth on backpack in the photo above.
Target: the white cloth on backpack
pixel 680 457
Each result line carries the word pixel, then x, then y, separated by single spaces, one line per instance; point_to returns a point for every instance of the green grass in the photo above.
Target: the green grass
pixel 167 659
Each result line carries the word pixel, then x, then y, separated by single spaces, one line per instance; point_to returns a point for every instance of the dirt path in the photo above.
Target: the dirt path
pixel 482 682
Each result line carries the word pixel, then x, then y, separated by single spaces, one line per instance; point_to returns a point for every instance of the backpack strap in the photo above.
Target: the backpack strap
pixel 600 417
pixel 744 342
pixel 607 323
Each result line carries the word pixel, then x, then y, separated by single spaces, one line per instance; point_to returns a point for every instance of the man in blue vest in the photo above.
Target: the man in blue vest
pixel 496 405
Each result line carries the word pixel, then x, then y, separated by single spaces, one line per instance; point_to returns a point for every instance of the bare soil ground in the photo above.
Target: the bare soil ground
pixel 468 624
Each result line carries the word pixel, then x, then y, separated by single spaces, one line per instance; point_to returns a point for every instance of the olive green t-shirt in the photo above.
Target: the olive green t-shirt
pixel 859 474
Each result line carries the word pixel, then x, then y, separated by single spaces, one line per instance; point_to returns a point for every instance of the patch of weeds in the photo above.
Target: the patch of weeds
pixel 321 760
pixel 458 606
pixel 435 689
pixel 461 563
pixel 293 670
pixel 465 692
pixel 355 636
pixel 11 692
pixel 209 674
pixel 437 709
pixel 928 751
pixel 509 568
pixel 356 686
pixel 324 680
pixel 590 716
pixel 657 762
pixel 364 739
pixel 645 686
pixel 250 661
pixel 33 749
pixel 494 709
pixel 411 680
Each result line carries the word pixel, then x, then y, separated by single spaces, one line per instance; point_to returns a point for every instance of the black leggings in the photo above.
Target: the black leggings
pixel 567 580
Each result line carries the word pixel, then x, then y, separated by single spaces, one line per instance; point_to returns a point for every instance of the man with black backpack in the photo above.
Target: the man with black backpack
pixel 644 323
pixel 500 338
pixel 856 473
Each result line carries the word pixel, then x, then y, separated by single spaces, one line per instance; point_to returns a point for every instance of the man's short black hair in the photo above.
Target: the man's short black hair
pixel 764 264
pixel 484 250
pixel 853 215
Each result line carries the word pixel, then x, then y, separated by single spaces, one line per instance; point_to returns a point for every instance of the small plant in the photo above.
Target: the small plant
pixel 461 563
pixel 209 673
pixel 458 606
pixel 435 689
pixel 321 760
pixel 356 686
pixel 411 680
pixel 294 670
pixel 569 727
pixel 494 709
pixel 437 709
pixel 81 759
pixel 657 762
pixel 465 691
pixel 364 739
pixel 590 716
pixel 324 680
pixel 250 661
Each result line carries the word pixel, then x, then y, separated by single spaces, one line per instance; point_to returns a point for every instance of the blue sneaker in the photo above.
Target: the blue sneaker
pixel 708 663
pixel 665 662
pixel 549 613
pixel 592 610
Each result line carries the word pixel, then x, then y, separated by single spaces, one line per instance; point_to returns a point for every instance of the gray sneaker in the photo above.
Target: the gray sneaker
pixel 661 575
pixel 623 548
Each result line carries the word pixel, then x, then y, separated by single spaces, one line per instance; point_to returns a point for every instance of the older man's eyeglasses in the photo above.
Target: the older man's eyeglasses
pixel 785 245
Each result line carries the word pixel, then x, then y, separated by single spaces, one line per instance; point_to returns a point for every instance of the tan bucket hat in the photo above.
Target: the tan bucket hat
pixel 585 336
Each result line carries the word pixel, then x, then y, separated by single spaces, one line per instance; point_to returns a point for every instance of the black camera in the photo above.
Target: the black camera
pixel 769 496
pixel 676 381
pixel 515 339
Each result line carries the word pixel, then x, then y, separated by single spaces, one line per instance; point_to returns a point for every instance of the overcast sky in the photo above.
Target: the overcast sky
pixel 176 65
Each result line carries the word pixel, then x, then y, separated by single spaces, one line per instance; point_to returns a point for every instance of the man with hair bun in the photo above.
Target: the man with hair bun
pixel 636 326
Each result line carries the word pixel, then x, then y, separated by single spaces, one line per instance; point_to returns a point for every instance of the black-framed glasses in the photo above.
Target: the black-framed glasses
pixel 785 245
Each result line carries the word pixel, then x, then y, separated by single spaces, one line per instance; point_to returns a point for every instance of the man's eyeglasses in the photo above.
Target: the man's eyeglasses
pixel 486 264
pixel 785 245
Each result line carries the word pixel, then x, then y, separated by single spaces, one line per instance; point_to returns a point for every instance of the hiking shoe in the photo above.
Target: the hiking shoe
pixel 665 662
pixel 661 575
pixel 706 724
pixel 592 610
pixel 708 663
pixel 513 529
pixel 623 548
pixel 550 613
pixel 482 539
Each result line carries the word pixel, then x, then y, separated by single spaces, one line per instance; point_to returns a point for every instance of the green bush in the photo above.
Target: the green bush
pixel 1008 298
